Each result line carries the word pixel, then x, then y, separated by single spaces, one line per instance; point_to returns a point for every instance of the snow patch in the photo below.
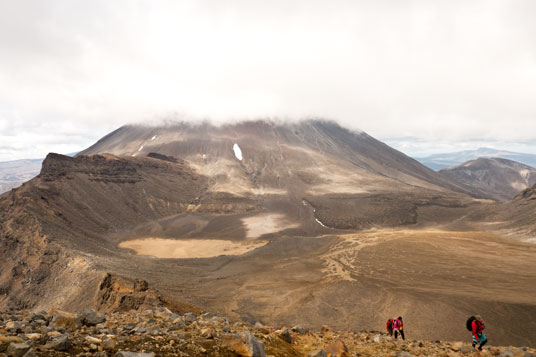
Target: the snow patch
pixel 322 224
pixel 237 151
pixel 141 148
pixel 154 137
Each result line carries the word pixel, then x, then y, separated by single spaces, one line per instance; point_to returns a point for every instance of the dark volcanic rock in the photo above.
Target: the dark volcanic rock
pixel 255 347
pixel 89 317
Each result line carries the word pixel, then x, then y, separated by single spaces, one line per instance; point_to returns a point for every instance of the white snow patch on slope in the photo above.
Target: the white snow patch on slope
pixel 322 224
pixel 154 137
pixel 141 148
pixel 237 151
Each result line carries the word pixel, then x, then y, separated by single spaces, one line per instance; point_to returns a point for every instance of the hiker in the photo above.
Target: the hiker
pixel 399 327
pixel 477 328
pixel 390 326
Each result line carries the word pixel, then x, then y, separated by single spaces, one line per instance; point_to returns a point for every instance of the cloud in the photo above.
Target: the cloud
pixel 453 71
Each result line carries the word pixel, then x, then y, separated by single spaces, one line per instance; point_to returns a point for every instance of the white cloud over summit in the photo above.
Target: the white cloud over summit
pixel 439 71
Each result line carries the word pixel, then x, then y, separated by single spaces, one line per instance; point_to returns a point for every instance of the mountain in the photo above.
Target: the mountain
pixel 316 162
pixel 14 173
pixel 264 222
pixel 497 179
pixel 442 161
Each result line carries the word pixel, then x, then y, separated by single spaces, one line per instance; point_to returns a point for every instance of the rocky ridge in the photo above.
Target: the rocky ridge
pixel 161 332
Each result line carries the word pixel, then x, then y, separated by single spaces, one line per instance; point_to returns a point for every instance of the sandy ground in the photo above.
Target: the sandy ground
pixel 264 224
pixel 190 248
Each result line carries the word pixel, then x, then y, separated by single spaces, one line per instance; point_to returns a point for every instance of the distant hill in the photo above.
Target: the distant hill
pixel 14 173
pixel 442 161
pixel 498 179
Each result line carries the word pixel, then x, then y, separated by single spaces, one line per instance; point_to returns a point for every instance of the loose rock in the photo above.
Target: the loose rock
pixel 17 349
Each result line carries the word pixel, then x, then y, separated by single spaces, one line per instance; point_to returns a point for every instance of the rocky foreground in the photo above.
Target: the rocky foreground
pixel 161 332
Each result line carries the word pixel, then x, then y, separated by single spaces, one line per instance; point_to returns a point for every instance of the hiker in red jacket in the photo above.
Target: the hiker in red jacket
pixel 390 326
pixel 399 327
pixel 478 334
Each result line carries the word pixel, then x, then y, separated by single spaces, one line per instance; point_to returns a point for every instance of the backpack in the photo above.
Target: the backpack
pixel 469 323
pixel 390 323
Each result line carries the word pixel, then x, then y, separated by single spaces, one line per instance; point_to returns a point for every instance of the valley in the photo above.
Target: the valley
pixel 309 222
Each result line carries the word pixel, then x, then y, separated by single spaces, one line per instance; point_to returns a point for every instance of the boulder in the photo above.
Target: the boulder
pixel 65 319
pixel 141 285
pixel 246 345
pixel 133 354
pixel 6 340
pixel 189 317
pixel 217 320
pixel 13 326
pixel 255 346
pixel 39 317
pixel 507 353
pixel 317 353
pixel 17 349
pixel 59 343
pixel 155 332
pixel 91 339
pixel 138 330
pixel 164 313
pixel 299 329
pixel 33 336
pixel 207 333
pixel 285 335
pixel 337 349
pixel 456 346
pixel 108 344
pixel 89 317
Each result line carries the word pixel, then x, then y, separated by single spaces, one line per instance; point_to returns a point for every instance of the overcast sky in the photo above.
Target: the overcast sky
pixel 422 76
